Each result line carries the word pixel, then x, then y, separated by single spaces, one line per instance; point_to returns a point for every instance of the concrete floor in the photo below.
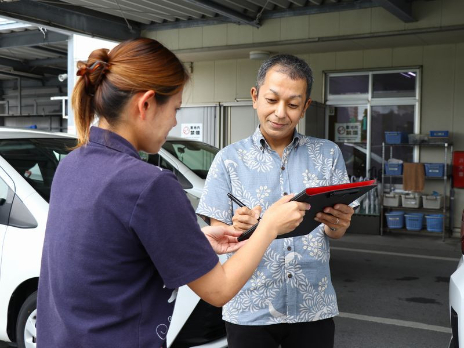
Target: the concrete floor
pixel 392 290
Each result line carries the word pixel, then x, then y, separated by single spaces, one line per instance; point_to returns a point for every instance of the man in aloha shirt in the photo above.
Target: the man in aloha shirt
pixel 289 301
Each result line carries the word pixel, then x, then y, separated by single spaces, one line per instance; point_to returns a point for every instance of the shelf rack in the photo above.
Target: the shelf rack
pixel 447 198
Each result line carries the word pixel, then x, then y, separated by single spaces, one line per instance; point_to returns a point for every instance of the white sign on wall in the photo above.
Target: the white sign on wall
pixel 192 131
pixel 348 132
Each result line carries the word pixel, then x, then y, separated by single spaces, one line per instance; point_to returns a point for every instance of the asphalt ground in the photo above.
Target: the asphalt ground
pixel 392 290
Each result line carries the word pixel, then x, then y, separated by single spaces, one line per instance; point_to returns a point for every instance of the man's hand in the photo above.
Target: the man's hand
pixel 244 218
pixel 336 219
pixel 223 239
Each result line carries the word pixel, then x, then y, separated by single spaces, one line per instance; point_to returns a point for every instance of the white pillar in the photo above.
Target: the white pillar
pixel 79 48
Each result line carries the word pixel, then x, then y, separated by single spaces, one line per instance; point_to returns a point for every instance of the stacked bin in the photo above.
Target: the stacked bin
pixel 434 222
pixel 414 221
pixel 395 219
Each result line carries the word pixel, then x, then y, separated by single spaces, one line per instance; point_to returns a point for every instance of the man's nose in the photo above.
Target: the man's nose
pixel 280 110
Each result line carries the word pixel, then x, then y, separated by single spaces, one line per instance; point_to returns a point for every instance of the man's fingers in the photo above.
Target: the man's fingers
pixel 241 227
pixel 257 211
pixel 232 232
pixel 244 211
pixel 343 208
pixel 285 199
pixel 303 206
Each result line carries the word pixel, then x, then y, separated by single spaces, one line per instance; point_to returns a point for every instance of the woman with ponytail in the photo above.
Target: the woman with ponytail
pixel 121 234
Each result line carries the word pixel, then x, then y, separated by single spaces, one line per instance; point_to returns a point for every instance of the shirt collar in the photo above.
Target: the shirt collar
pixel 260 142
pixel 112 140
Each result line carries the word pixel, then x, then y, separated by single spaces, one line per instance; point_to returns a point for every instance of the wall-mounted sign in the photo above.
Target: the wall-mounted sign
pixel 192 131
pixel 348 132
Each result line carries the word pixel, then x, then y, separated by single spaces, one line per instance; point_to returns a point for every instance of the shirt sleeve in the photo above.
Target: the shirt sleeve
pixel 165 222
pixel 214 202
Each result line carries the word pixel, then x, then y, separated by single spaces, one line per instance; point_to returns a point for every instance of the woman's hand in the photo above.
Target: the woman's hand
pixel 284 216
pixel 223 239
pixel 336 219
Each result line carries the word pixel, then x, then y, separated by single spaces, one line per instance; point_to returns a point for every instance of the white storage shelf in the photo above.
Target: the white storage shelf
pixel 426 204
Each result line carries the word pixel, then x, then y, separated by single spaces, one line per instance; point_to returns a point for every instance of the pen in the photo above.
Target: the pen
pixel 239 203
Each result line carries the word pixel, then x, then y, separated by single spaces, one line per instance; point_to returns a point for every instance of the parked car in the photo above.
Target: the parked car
pixel 28 160
pixel 456 298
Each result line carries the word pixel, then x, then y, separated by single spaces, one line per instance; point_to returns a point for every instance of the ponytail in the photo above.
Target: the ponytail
pixel 110 78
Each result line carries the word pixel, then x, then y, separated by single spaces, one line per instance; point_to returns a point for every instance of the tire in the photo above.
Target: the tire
pixel 26 334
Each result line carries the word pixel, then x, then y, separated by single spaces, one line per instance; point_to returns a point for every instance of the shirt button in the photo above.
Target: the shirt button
pixel 289 248
pixel 261 148
pixel 289 275
pixel 283 168
pixel 285 193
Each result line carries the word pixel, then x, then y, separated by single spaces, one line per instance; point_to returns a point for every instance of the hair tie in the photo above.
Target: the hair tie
pixel 84 71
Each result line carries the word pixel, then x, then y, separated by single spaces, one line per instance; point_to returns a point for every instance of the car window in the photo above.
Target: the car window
pixel 161 162
pixel 36 160
pixel 6 198
pixel 197 156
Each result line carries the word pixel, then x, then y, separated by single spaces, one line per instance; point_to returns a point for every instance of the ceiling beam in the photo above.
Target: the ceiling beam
pixel 28 38
pixel 298 2
pixel 59 15
pixel 52 50
pixel 325 8
pixel 191 23
pixel 62 62
pixel 13 74
pixel 22 67
pixel 225 11
pixel 399 8
pixel 12 63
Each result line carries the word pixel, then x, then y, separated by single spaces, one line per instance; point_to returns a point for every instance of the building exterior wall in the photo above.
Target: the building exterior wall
pixel 354 40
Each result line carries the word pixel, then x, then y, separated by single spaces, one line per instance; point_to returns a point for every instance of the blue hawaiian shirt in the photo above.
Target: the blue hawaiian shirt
pixel 292 283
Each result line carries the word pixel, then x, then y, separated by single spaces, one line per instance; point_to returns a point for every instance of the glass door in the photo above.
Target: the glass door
pixel 347 126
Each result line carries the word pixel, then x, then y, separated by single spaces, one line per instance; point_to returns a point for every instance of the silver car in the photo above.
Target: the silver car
pixel 28 160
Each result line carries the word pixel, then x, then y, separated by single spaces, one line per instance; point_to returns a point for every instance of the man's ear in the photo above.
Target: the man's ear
pixel 145 102
pixel 308 102
pixel 254 96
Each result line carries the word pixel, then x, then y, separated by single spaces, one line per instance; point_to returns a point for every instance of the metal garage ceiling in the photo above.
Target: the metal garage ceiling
pixel 121 19
pixel 31 51
pixel 24 51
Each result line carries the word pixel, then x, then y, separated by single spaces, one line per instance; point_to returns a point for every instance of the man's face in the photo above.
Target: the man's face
pixel 280 104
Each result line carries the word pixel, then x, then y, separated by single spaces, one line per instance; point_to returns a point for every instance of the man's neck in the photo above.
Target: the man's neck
pixel 279 145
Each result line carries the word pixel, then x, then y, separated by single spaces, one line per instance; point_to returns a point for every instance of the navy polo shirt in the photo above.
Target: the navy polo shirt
pixel 121 237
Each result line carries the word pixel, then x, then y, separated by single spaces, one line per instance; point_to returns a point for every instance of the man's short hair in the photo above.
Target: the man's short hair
pixel 292 66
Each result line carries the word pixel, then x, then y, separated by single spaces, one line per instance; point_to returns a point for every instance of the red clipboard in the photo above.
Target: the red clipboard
pixel 320 198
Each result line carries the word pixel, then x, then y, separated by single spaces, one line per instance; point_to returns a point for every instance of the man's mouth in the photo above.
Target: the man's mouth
pixel 277 125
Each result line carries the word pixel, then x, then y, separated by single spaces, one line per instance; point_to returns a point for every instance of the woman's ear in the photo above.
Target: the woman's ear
pixel 145 102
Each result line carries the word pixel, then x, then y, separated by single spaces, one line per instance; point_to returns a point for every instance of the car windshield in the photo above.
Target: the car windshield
pixel 197 156
pixel 36 159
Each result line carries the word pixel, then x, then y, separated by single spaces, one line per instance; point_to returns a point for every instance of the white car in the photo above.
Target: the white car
pixel 28 160
pixel 456 298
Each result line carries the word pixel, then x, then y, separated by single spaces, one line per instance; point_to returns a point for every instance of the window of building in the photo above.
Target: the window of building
pixel 362 106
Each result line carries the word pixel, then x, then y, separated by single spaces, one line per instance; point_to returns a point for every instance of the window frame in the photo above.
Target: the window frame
pixel 370 101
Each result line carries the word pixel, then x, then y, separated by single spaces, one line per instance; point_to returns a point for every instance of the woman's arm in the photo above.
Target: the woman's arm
pixel 223 282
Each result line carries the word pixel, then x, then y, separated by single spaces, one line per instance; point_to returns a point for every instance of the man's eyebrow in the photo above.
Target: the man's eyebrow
pixel 291 97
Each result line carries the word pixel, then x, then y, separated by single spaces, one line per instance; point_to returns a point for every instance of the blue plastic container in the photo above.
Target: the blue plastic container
pixel 394 168
pixel 439 134
pixel 434 222
pixel 396 137
pixel 395 219
pixel 414 221
pixel 434 169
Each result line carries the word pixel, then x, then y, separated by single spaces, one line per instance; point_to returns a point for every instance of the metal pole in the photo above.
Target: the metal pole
pixel 19 96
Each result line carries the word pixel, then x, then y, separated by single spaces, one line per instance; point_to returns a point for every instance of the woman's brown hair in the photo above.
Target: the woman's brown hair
pixel 109 78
